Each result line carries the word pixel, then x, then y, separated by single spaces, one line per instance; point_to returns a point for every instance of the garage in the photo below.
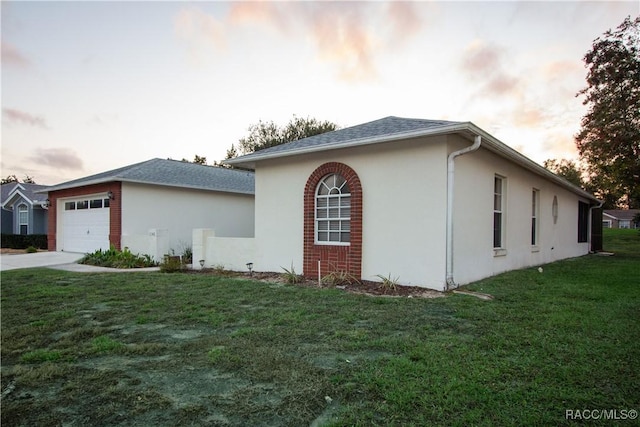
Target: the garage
pixel 85 225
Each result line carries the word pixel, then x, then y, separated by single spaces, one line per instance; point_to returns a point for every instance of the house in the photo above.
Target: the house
pixel 149 207
pixel 435 203
pixel 24 211
pixel 620 218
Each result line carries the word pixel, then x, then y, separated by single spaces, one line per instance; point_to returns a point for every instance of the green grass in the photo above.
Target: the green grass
pixel 157 349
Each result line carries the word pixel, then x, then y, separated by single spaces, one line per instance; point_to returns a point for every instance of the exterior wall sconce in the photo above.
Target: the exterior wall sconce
pixel 110 195
pixel 47 203
pixel 201 263
pixel 250 267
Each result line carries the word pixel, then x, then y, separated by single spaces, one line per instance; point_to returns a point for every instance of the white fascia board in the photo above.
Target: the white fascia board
pixel 15 193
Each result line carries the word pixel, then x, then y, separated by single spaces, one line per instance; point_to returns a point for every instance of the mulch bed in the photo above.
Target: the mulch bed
pixel 365 287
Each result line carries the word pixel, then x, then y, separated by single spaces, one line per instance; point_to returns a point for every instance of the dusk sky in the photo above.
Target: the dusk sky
pixel 92 86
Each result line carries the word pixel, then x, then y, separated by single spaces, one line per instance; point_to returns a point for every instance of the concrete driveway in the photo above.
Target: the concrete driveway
pixel 38 259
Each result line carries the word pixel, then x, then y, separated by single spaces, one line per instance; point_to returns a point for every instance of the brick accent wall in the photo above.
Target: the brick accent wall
pixel 115 210
pixel 332 258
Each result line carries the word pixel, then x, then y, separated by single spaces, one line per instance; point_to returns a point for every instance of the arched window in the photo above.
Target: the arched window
pixel 23 219
pixel 333 211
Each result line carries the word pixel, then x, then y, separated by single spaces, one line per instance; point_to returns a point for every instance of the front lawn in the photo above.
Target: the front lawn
pixel 189 349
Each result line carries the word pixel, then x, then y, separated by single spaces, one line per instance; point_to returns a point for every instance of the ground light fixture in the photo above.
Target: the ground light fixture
pixel 201 263
pixel 250 267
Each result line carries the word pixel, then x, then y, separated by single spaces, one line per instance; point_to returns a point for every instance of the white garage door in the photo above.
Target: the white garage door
pixel 85 225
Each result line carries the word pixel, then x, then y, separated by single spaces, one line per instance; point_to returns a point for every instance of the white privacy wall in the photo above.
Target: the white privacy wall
pixel 404 189
pixel 474 256
pixel 156 220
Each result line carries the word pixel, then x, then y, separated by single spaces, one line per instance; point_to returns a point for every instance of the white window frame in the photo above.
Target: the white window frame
pixel 23 209
pixel 535 219
pixel 499 208
pixel 344 222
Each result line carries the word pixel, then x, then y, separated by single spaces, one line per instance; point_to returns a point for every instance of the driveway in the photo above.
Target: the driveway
pixel 38 259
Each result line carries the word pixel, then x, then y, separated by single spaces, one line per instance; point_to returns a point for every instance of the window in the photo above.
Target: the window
pixel 498 212
pixel 333 211
pixel 23 219
pixel 70 206
pixel 583 222
pixel 624 223
pixel 535 197
pixel 82 204
pixel 105 203
pixel 95 204
pixel 554 209
pixel 606 223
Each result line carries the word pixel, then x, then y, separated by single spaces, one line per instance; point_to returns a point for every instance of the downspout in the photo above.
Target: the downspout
pixel 450 284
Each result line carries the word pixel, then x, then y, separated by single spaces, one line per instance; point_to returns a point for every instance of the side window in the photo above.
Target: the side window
pixel 535 224
pixel 498 212
pixel 583 222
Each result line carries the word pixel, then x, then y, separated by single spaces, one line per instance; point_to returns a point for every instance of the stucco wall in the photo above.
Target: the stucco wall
pixel 474 256
pixel 176 212
pixel 404 188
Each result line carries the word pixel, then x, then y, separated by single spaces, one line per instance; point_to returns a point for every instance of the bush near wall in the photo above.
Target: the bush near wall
pixel 23 241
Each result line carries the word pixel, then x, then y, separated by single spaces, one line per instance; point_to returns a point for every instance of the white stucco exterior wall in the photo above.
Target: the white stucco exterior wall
pixel 404 191
pixel 168 215
pixel 474 256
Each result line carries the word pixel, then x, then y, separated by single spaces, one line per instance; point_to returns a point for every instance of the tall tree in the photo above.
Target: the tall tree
pixel 609 140
pixel 12 178
pixel 267 134
pixel 566 169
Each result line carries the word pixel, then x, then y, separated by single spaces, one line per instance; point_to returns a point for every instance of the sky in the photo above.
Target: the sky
pixel 93 86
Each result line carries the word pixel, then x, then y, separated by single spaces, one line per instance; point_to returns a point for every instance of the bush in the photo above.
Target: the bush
pixel 23 241
pixel 118 259
pixel 171 264
pixel 31 250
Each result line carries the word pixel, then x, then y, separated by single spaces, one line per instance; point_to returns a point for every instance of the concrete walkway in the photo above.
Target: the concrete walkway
pixel 60 261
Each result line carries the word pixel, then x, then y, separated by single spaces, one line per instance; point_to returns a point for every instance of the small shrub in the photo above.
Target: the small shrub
pixel 340 278
pixel 291 277
pixel 118 259
pixel 171 264
pixel 388 283
pixel 31 250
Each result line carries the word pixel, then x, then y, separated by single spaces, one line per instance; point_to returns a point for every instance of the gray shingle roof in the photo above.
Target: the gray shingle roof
pixel 172 173
pixel 387 128
pixel 31 191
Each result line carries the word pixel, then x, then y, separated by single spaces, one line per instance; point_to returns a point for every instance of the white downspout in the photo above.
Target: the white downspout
pixel 450 284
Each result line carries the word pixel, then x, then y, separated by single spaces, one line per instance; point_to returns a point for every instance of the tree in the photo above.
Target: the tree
pixel 609 139
pixel 567 169
pixel 12 178
pixel 198 160
pixel 267 134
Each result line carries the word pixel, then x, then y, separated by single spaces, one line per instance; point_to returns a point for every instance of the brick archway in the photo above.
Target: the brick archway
pixel 332 257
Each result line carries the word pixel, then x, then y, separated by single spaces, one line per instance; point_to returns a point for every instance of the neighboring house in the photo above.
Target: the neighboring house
pixel 620 218
pixel 384 198
pixel 150 207
pixel 24 208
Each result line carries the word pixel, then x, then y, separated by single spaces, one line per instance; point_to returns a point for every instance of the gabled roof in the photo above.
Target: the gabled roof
pixel 382 130
pixel 14 191
pixel 172 173
pixel 393 128
pixel 621 214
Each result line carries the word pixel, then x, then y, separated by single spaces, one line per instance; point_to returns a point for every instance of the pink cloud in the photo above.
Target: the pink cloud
pixel 21 117
pixel 349 36
pixel 486 64
pixel 61 158
pixel 11 56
